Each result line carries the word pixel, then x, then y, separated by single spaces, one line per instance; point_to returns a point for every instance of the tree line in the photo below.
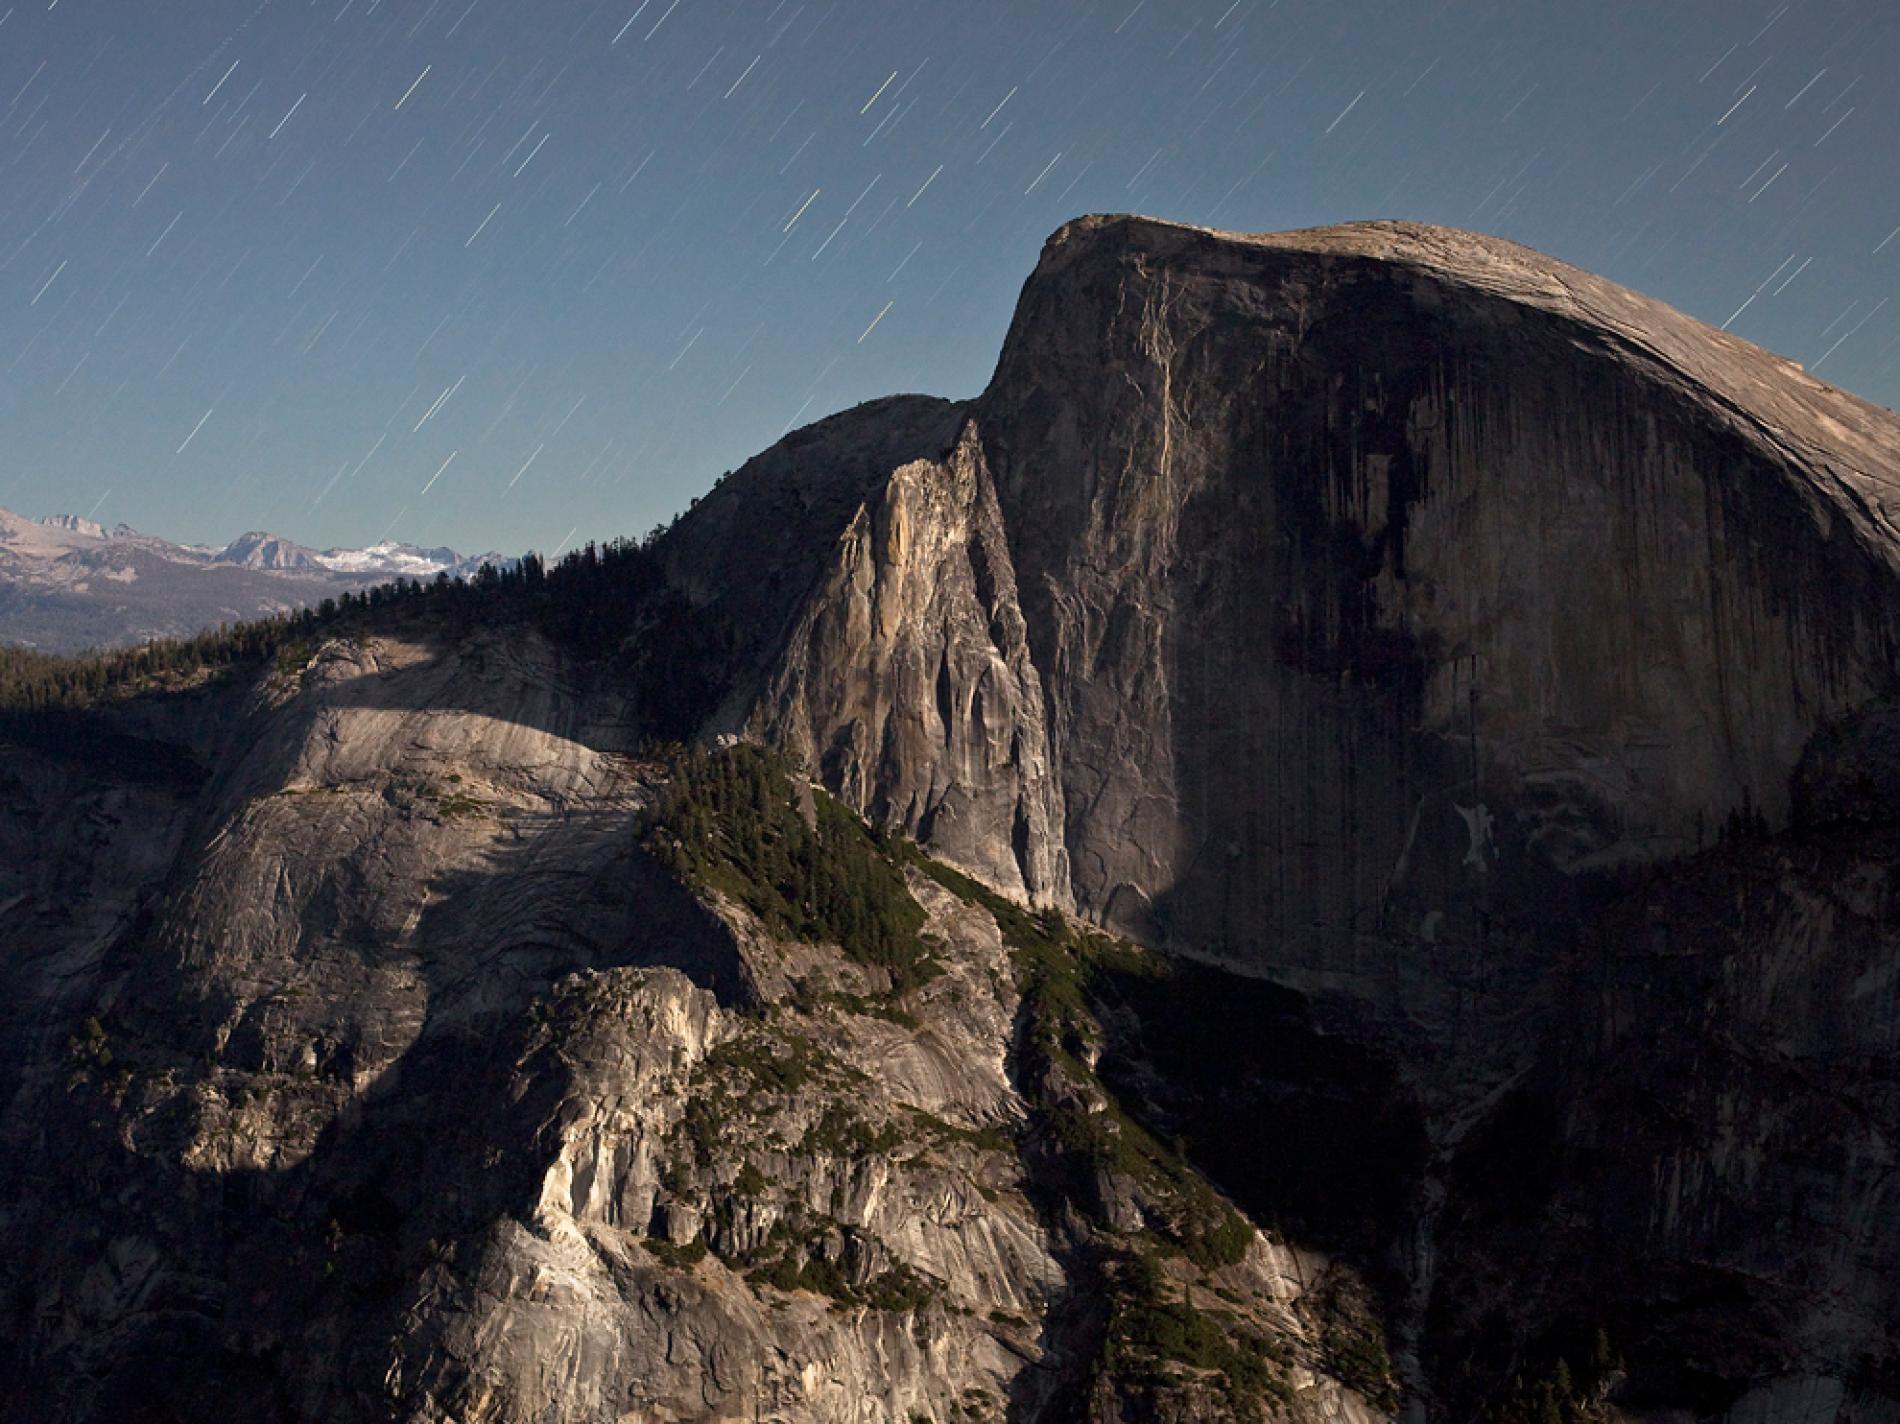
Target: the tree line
pixel 589 602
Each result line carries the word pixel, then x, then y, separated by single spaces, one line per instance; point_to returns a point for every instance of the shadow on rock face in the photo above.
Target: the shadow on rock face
pixel 272 1292
pixel 1315 1136
pixel 294 1082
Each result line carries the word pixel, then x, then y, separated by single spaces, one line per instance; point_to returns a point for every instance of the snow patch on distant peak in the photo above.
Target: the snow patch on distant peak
pixel 261 550
pixel 405 560
pixel 75 524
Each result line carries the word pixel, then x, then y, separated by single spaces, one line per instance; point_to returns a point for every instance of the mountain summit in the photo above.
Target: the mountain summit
pixel 1282 589
pixel 1323 850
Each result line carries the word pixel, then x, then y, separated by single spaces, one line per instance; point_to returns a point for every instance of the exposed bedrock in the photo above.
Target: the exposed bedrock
pixel 1481 673
pixel 1366 568
pixel 1440 630
pixel 1282 591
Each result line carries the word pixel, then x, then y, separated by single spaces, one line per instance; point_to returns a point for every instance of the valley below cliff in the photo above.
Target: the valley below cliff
pixel 1323 850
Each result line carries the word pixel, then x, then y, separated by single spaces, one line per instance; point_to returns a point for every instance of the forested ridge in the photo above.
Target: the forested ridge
pixel 588 602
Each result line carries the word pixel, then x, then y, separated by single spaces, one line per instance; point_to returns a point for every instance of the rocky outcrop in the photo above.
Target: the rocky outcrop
pixel 859 573
pixel 1410 561
pixel 389 1075
pixel 908 679
pixel 1394 601
pixel 1360 572
pixel 1475 676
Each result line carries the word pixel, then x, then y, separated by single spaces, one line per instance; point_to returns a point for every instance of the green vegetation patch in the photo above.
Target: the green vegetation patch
pixel 990 1138
pixel 840 1132
pixel 1057 967
pixel 763 1062
pixel 90 1046
pixel 1571 1385
pixel 810 1001
pixel 898 1289
pixel 459 805
pixel 1352 1340
pixel 730 821
pixel 678 1258
pixel 1151 1331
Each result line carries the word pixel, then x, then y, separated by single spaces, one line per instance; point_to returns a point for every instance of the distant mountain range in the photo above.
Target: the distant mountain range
pixel 67 583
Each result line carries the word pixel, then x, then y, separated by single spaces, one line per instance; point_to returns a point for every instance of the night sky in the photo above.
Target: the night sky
pixel 486 272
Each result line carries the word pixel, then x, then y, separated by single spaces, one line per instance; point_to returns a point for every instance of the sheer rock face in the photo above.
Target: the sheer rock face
pixel 1706 1146
pixel 1283 591
pixel 1388 593
pixel 1367 565
pixel 908 680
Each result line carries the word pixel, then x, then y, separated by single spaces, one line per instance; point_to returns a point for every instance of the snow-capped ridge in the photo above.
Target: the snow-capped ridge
pixel 405 561
pixel 74 584
pixel 75 524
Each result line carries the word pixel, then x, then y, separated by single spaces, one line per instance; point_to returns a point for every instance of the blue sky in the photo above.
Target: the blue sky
pixel 499 274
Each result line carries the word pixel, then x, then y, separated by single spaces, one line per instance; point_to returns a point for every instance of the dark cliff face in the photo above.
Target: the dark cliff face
pixel 1482 673
pixel 1363 582
pixel 1402 613
pixel 1370 571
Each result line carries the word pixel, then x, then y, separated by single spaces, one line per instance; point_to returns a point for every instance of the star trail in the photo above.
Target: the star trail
pixel 489 273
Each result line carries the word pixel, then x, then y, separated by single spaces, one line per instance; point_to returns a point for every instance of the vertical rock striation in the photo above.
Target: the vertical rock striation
pixel 1369 567
pixel 1373 607
pixel 908 681
pixel 1285 592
